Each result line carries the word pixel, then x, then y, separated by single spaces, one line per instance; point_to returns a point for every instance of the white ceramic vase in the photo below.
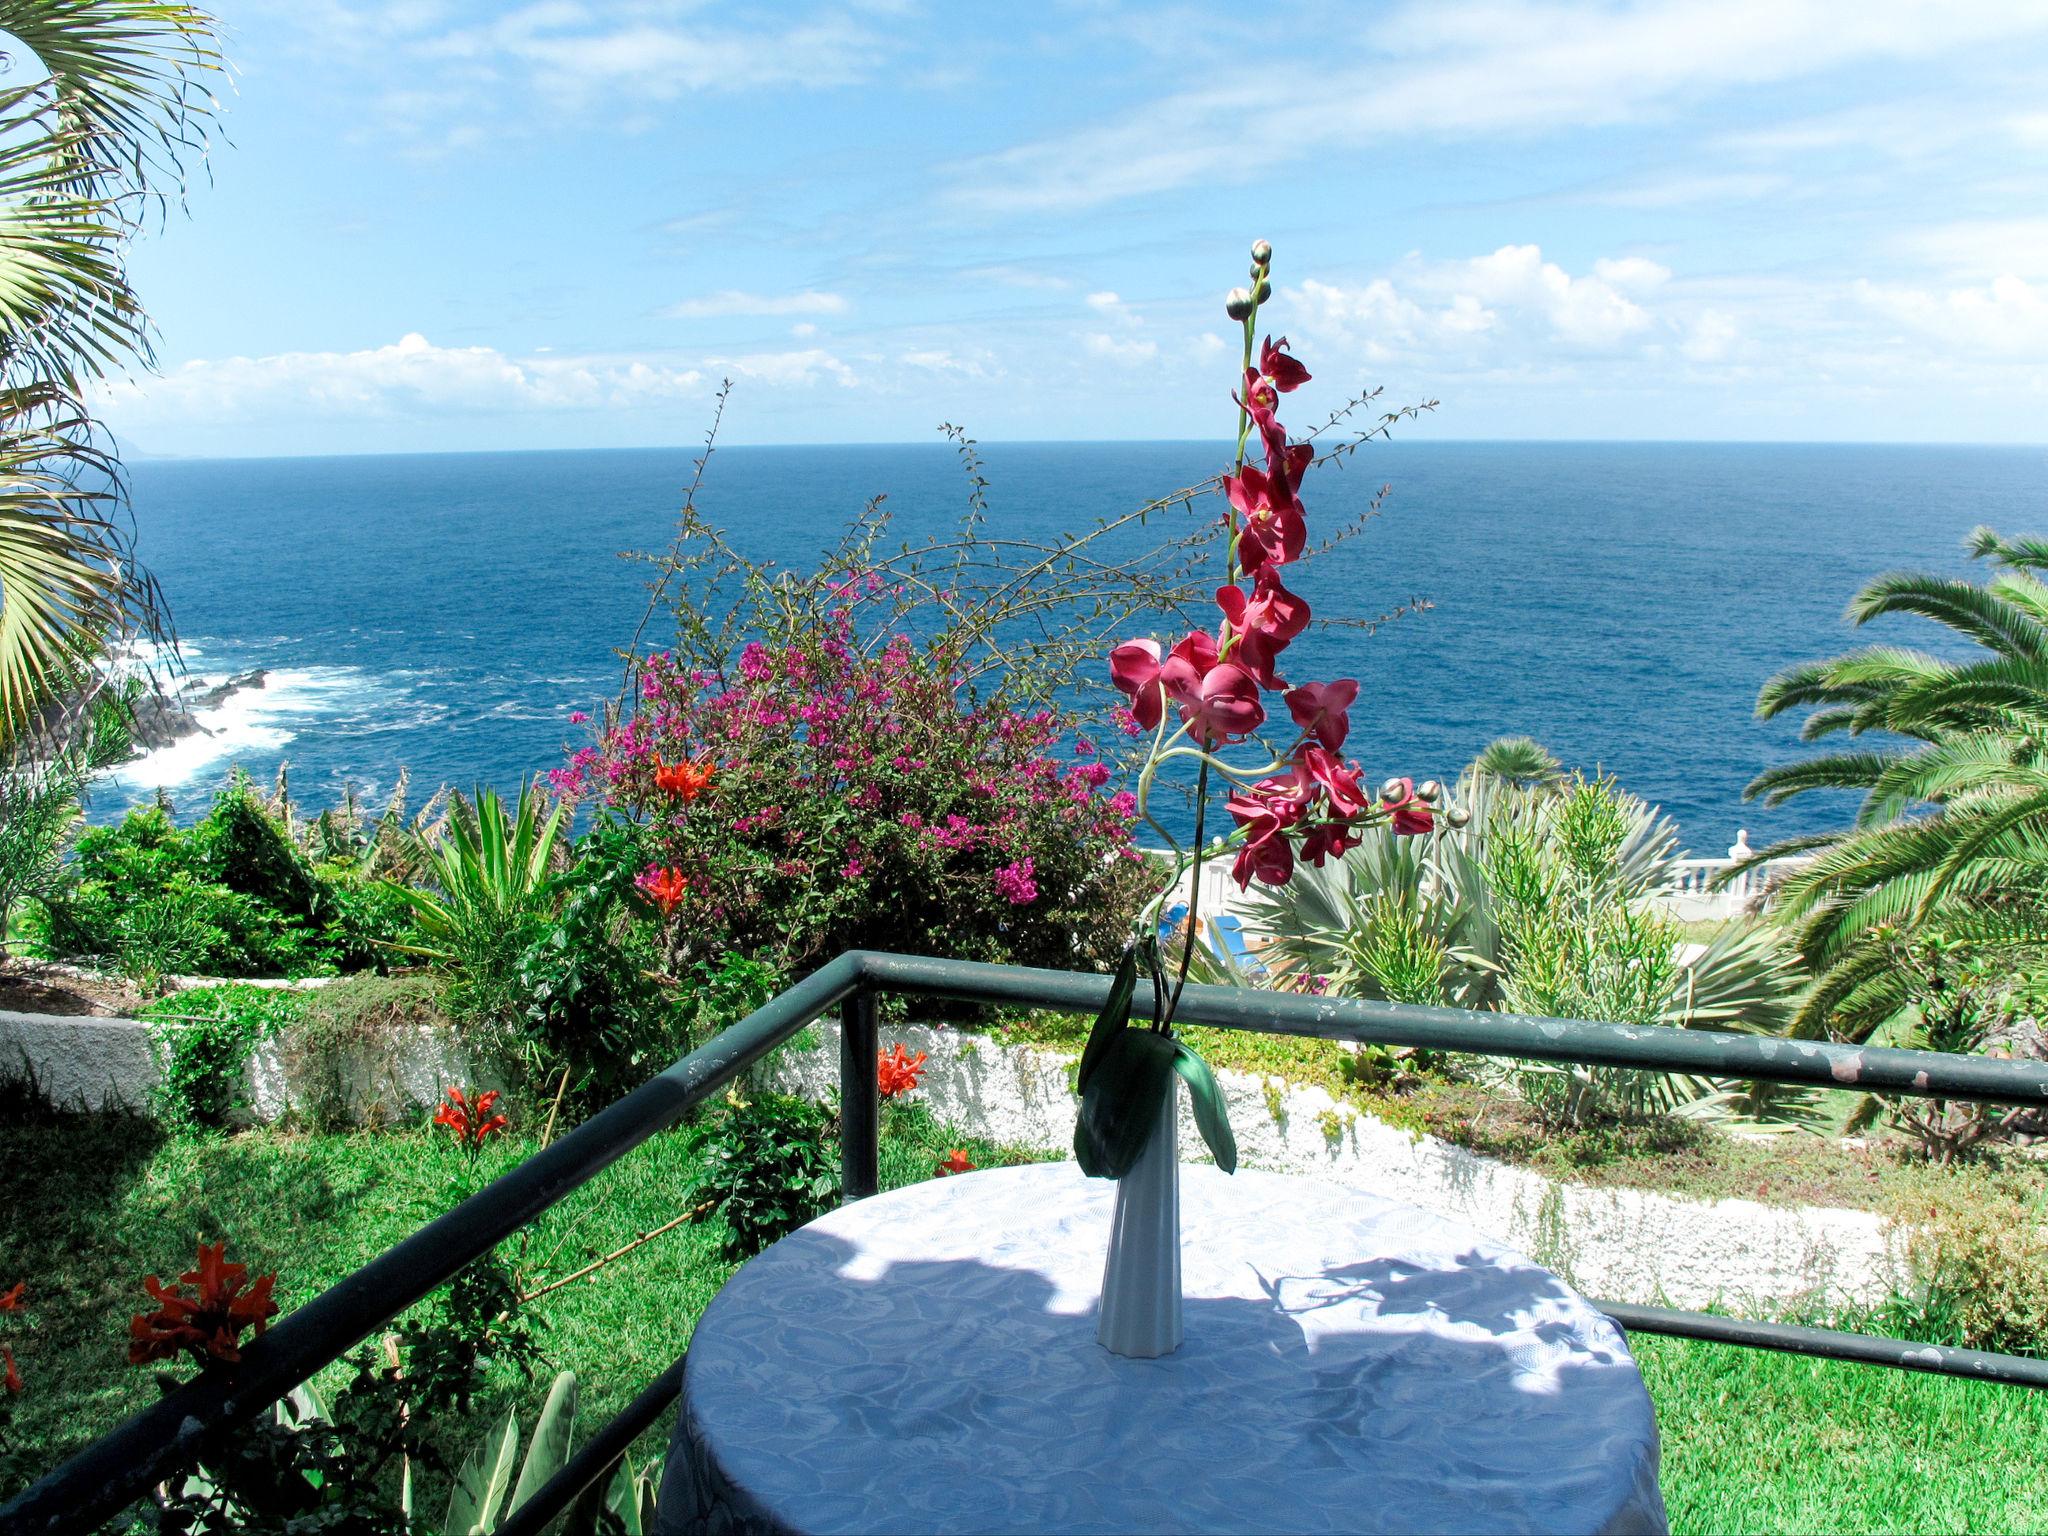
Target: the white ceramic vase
pixel 1140 1315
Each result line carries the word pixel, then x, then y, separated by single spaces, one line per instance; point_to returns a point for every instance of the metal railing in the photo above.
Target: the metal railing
pixel 169 1436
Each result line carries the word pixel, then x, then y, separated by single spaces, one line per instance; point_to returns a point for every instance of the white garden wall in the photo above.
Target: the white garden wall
pixel 1624 1245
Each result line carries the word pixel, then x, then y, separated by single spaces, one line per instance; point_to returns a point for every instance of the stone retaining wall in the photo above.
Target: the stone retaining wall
pixel 1620 1244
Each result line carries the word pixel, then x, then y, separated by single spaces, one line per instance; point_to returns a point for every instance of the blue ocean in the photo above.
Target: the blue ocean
pixel 1621 603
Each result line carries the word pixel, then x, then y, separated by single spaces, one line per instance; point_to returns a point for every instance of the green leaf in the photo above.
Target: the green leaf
pixel 1122 1102
pixel 480 1485
pixel 1212 1118
pixel 1115 1016
pixel 549 1447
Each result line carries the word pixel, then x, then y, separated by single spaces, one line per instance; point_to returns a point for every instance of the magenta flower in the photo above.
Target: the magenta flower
pixel 1015 883
pixel 1227 707
pixel 1274 531
pixel 1337 781
pixel 1407 812
pixel 1322 709
pixel 1265 814
pixel 1263 623
pixel 1134 667
pixel 1285 372
pixel 1329 839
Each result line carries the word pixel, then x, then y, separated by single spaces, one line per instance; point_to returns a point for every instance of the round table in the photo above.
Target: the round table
pixel 926 1361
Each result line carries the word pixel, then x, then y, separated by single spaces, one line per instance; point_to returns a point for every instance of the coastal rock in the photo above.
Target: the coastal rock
pixel 163 718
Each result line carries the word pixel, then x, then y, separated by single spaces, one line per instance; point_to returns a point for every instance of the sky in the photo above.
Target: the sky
pixel 453 224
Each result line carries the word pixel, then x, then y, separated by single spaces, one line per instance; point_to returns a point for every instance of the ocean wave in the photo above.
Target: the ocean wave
pixel 251 722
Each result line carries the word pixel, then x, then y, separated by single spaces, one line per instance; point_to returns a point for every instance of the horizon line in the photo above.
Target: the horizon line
pixel 134 455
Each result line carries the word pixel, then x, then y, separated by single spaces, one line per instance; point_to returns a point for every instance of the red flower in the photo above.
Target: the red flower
pixel 899 1071
pixel 956 1162
pixel 1266 811
pixel 1326 840
pixel 12 1379
pixel 1285 372
pixel 686 781
pixel 1264 623
pixel 473 1124
pixel 1134 667
pixel 1321 709
pixel 1337 781
pixel 1219 700
pixel 665 887
pixel 10 1301
pixel 1407 812
pixel 204 1314
pixel 1274 530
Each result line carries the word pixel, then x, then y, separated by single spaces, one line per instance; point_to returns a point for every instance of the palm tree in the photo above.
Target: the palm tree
pixel 93 143
pixel 1953 829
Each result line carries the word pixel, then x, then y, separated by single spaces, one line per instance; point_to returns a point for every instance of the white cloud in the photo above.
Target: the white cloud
pixel 410 375
pixel 1712 338
pixel 1518 66
pixel 1104 301
pixel 1634 273
pixel 1121 349
pixel 1981 247
pixel 808 366
pixel 734 302
pixel 2007 317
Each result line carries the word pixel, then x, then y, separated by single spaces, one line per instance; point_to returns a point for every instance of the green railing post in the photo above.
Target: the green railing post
pixel 860 1099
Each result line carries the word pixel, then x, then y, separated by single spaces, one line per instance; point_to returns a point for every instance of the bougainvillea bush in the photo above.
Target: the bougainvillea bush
pixel 833 783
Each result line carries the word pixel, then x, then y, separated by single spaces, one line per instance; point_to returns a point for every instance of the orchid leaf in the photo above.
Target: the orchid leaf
pixel 1115 1015
pixel 1212 1117
pixel 1122 1102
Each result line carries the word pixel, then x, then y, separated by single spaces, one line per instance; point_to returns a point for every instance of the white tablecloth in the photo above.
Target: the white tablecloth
pixel 926 1361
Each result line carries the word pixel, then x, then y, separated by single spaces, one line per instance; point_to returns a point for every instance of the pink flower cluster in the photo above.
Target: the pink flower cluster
pixel 1217 682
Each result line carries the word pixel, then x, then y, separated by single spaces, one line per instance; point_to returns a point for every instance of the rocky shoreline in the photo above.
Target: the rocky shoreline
pixel 160 718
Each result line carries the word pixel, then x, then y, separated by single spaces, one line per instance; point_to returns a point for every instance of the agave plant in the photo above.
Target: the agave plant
pixel 1952 834
pixel 90 146
pixel 493 887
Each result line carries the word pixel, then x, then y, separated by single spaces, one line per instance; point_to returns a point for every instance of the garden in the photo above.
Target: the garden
pixel 941 744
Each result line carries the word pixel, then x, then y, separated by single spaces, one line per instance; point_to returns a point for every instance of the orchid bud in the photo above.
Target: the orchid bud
pixel 1263 292
pixel 1430 791
pixel 1457 816
pixel 1262 252
pixel 1394 790
pixel 1238 304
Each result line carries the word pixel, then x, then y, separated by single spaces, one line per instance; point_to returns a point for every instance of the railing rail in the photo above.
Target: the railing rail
pixel 168 1437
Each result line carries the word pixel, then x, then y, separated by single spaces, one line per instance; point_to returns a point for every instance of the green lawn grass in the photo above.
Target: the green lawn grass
pixel 1752 1442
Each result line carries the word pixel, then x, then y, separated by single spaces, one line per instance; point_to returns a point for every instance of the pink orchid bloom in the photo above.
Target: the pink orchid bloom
pixel 1274 530
pixel 1328 840
pixel 1134 667
pixel 1265 812
pixel 1286 373
pixel 1337 780
pixel 1407 812
pixel 1227 708
pixel 1264 623
pixel 1323 710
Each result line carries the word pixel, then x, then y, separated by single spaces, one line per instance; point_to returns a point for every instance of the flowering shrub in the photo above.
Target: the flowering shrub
pixel 898 1072
pixel 833 784
pixel 205 1314
pixel 473 1124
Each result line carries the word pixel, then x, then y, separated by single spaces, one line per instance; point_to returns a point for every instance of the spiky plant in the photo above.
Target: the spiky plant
pixel 94 142
pixel 1521 761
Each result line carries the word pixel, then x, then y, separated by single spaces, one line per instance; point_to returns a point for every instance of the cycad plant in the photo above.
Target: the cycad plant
pixel 1542 903
pixel 92 145
pixel 1952 835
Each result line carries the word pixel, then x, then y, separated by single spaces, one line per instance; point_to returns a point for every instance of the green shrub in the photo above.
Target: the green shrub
pixel 345 1042
pixel 589 1000
pixel 770 1164
pixel 230 897
pixel 1975 1241
pixel 204 1039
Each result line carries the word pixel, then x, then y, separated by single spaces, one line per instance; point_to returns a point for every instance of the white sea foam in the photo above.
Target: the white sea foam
pixel 251 722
